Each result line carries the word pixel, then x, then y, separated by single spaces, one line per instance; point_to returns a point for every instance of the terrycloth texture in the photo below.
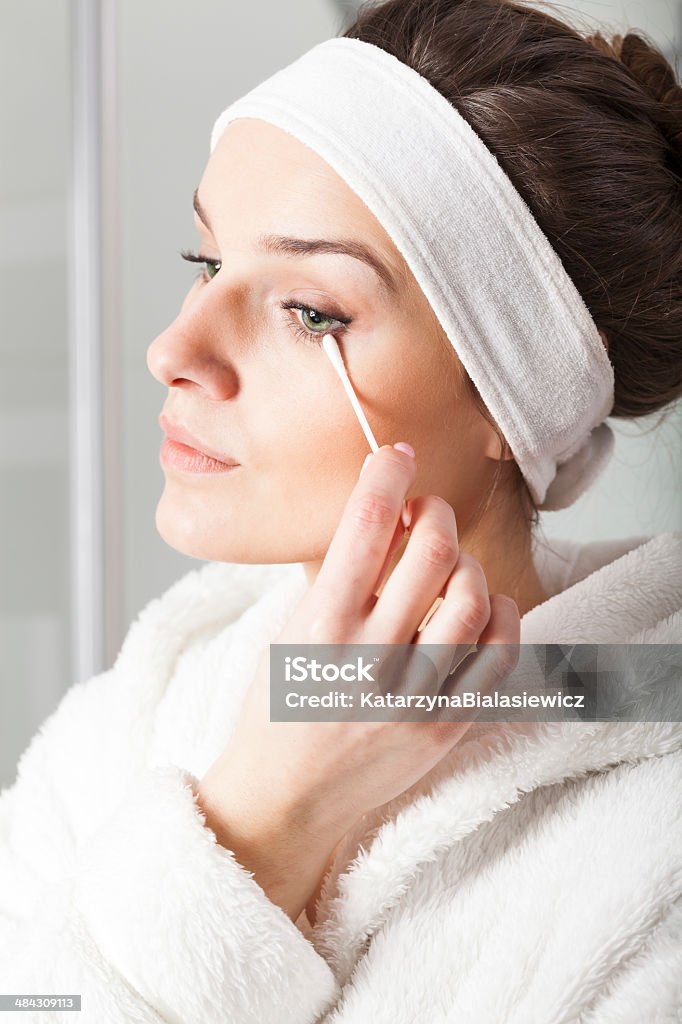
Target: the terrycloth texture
pixel 502 296
pixel 533 877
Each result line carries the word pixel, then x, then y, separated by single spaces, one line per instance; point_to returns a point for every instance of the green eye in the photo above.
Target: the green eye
pixel 319 324
pixel 211 267
pixel 313 324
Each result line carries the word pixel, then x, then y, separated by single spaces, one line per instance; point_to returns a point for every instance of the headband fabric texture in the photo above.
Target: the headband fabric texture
pixel 497 287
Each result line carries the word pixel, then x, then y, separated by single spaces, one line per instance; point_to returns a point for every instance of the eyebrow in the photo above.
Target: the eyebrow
pixel 288 246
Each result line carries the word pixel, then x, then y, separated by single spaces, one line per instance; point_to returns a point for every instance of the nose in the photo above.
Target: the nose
pixel 188 354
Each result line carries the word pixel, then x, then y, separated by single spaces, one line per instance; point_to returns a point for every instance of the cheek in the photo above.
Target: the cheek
pixel 309 423
pixel 305 432
pixel 307 445
pixel 408 387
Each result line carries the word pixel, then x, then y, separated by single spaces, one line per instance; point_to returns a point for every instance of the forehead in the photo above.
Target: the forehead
pixel 262 177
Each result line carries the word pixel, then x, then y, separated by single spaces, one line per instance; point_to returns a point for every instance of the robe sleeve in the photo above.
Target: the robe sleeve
pixel 142 912
pixel 186 924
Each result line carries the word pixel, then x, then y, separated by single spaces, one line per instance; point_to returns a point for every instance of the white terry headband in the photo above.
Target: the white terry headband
pixel 498 288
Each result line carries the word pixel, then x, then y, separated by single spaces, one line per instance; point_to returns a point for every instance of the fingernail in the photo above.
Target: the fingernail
pixel 403 446
pixel 364 465
pixel 406 516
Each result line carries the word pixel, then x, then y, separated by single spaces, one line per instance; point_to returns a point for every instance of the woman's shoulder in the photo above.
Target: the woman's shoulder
pixel 565 561
pixel 98 735
pixel 195 605
pixel 624 590
pixel 567 877
pixel 200 601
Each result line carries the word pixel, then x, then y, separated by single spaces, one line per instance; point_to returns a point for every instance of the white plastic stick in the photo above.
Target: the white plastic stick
pixel 332 349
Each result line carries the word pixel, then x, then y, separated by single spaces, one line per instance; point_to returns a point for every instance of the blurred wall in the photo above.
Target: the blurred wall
pixel 35 662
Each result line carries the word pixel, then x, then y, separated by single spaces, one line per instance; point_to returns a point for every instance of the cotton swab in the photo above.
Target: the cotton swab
pixel 331 347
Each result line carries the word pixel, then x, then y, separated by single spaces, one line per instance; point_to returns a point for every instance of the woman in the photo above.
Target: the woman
pixel 170 853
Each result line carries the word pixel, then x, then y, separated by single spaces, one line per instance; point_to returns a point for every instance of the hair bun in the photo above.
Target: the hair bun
pixel 656 76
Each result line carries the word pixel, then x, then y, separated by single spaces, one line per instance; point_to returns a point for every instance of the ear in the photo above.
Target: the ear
pixel 492 448
pixel 604 339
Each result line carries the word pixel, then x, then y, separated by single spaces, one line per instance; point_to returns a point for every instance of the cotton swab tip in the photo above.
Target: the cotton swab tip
pixel 332 350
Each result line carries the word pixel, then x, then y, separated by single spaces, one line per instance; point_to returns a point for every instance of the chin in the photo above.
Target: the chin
pixel 184 531
pixel 197 536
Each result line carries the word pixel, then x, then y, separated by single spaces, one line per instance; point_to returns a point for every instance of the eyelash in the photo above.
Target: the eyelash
pixel 299 330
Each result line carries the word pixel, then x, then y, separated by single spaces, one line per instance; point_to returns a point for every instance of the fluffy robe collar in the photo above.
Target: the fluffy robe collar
pixel 625 591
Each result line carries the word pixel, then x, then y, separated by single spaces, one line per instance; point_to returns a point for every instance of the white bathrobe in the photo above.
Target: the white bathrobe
pixel 533 877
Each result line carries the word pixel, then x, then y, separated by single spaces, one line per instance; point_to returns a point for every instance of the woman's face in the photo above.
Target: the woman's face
pixel 248 378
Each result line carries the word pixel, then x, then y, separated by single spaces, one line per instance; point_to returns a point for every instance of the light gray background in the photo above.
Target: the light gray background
pixel 179 64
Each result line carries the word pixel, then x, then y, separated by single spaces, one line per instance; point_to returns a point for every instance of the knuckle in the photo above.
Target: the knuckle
pixel 467 560
pixel 438 548
pixel 508 602
pixel 473 611
pixel 435 512
pixel 372 510
pixel 394 457
pixel 436 504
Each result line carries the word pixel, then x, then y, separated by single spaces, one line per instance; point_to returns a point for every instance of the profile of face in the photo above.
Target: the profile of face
pixel 248 378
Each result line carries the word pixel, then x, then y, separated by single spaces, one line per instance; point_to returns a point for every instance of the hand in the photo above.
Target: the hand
pixel 282 794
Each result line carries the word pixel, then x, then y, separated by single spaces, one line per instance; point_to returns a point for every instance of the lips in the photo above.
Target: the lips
pixel 180 434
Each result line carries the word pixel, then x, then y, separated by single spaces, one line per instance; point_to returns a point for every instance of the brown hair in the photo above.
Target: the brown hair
pixel 590 134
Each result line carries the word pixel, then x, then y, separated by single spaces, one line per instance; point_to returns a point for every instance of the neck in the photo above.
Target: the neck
pixel 508 566
pixel 504 557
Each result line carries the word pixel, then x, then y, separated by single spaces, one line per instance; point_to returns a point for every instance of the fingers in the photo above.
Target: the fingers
pixel 431 565
pixel 498 650
pixel 469 615
pixel 353 563
pixel 425 567
pixel 465 610
pixel 398 541
pixel 459 617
